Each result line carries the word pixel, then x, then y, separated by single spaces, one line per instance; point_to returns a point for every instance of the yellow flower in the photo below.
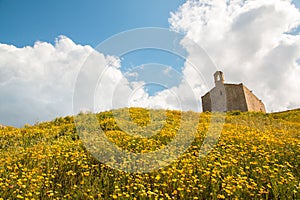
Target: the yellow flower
pixel 157 177
pixel 221 196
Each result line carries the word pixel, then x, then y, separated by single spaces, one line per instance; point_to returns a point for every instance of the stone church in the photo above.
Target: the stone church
pixel 228 97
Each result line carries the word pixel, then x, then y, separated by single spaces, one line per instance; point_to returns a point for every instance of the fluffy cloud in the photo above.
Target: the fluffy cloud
pixel 250 41
pixel 37 83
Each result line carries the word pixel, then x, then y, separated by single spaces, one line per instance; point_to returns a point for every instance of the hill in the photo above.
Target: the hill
pixel 256 157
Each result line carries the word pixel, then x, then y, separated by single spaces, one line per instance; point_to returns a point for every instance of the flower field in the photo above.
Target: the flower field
pixel 256 157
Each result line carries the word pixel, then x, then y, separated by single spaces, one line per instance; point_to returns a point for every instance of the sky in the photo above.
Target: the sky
pixel 24 23
pixel 44 45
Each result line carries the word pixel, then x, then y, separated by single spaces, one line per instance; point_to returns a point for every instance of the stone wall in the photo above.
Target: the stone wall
pixel 230 97
pixel 215 100
pixel 235 97
pixel 254 104
pixel 206 102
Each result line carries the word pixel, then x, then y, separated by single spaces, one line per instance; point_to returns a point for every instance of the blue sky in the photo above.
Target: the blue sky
pixel 85 22
pixel 25 22
pixel 36 82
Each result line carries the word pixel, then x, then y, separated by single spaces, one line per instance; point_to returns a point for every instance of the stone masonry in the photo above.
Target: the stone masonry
pixel 229 97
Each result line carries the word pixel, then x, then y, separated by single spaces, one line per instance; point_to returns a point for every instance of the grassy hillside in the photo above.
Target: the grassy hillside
pixel 256 157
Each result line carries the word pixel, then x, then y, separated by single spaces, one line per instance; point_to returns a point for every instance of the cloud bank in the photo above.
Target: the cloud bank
pixel 251 41
pixel 36 83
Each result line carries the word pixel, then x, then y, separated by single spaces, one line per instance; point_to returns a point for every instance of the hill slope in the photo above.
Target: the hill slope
pixel 257 157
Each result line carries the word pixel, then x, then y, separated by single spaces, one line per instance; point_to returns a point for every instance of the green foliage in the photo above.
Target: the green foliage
pixel 257 157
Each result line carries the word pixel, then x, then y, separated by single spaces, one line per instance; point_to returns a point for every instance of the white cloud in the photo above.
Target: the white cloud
pixel 36 83
pixel 250 42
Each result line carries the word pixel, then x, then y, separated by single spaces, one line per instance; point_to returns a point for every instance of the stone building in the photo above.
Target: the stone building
pixel 228 97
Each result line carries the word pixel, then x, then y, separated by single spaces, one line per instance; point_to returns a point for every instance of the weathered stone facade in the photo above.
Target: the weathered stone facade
pixel 228 97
